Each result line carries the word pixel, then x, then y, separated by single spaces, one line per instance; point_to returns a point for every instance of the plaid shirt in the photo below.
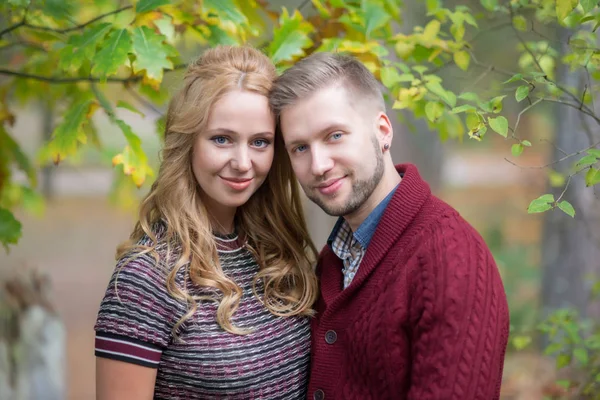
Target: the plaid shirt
pixel 349 250
pixel 350 246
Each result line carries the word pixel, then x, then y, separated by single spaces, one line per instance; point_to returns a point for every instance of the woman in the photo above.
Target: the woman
pixel 211 294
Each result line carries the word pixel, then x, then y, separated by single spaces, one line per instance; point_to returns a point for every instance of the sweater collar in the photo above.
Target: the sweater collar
pixel 403 208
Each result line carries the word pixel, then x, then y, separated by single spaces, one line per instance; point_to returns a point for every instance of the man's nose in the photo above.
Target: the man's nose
pixel 321 161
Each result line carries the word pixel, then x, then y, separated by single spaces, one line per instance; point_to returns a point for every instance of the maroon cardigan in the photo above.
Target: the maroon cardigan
pixel 425 317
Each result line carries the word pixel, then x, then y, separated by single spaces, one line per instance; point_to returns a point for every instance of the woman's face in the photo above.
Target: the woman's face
pixel 233 156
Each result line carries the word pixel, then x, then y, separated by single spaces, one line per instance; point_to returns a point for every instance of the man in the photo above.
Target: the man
pixel 412 305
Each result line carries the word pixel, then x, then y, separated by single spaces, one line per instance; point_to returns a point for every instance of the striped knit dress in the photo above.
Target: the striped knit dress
pixel 135 325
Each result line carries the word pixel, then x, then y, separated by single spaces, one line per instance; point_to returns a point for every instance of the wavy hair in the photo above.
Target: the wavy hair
pixel 276 235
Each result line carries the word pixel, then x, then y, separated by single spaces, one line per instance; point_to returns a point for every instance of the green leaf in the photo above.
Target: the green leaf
pixel 564 8
pixel 11 149
pixel 517 149
pixel 389 76
pixel 127 106
pixel 114 53
pixel 522 92
pixel 473 122
pixel 82 47
pixel 151 54
pixel 489 5
pixel 499 125
pixel 564 383
pixel 469 96
pixel 58 9
pixel 553 348
pixel 594 152
pixel 592 177
pixel 290 38
pixel 434 110
pixel 496 104
pixel 218 36
pixel 69 133
pixel 463 108
pixel 541 204
pixel 556 179
pixel 143 6
pixel 226 9
pixel 581 355
pixel 567 208
pixel 563 360
pixel 520 342
pixel 375 17
pixel 520 23
pixel 586 161
pixel 133 158
pixel 323 11
pixel 514 78
pixel 462 59
pixel 10 228
pixel 165 26
pixel 431 31
pixel 526 143
pixel 437 89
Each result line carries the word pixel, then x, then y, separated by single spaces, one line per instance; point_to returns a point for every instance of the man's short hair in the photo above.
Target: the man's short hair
pixel 321 70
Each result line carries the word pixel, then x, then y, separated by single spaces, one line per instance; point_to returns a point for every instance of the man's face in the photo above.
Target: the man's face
pixel 334 149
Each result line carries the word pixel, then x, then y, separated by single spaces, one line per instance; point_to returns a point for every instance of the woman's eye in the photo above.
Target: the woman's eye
pixel 336 136
pixel 219 139
pixel 260 143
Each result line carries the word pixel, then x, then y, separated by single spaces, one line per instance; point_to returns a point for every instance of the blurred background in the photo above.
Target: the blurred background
pixel 548 260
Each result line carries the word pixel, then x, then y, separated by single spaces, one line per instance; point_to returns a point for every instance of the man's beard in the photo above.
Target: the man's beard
pixel 361 189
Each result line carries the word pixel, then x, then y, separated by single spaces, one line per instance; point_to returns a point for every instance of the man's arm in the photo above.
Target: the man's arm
pixel 460 339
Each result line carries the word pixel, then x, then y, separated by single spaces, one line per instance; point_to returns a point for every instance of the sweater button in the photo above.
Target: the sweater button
pixel 330 337
pixel 319 395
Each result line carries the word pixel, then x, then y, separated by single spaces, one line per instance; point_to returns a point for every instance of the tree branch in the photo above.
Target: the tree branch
pixel 51 79
pixel 65 30
pixel 520 114
pixel 59 80
pixel 577 107
pixel 11 28
pixel 556 161
pixel 527 49
pixel 142 100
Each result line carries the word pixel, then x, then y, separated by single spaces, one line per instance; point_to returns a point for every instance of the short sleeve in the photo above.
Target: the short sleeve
pixel 137 314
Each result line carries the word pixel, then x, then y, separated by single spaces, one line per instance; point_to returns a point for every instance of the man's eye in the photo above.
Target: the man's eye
pixel 336 136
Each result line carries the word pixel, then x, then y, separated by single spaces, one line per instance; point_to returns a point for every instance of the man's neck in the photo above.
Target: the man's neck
pixel 389 181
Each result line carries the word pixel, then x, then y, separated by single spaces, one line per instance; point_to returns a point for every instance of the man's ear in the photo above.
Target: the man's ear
pixel 385 131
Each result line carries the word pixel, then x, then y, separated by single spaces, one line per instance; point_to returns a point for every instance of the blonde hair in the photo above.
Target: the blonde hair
pixel 321 70
pixel 277 235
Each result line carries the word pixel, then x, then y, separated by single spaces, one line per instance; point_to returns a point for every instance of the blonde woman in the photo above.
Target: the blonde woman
pixel 212 293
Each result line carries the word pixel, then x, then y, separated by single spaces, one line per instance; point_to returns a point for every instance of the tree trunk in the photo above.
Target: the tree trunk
pixel 571 246
pixel 32 341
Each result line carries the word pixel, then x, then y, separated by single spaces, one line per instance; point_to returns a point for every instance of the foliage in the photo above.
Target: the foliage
pixel 575 343
pixel 69 54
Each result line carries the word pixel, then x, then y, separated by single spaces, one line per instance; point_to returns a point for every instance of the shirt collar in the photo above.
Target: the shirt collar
pixel 367 228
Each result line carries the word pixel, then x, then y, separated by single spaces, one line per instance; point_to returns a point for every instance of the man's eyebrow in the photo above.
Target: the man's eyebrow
pixel 329 128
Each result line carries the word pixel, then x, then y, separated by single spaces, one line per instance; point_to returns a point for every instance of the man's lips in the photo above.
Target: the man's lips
pixel 330 186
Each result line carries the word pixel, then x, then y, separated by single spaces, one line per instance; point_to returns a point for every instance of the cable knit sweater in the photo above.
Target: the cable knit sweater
pixel 425 317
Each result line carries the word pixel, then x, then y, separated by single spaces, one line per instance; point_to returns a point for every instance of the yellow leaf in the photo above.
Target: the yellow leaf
pixel 434 55
pixel 564 8
pixel 431 31
pixel 148 18
pixel 462 59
